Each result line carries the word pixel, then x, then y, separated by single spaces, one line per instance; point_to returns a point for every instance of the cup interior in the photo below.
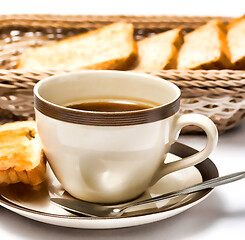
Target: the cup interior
pixel 71 88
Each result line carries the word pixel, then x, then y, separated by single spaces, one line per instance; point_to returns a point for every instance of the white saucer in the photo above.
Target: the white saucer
pixel 35 203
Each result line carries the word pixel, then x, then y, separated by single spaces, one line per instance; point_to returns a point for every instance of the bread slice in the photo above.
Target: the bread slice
pixel 21 155
pixel 159 51
pixel 108 47
pixel 236 42
pixel 205 48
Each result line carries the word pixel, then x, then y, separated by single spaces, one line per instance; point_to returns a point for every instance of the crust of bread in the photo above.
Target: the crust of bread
pixel 108 47
pixel 205 48
pixel 21 156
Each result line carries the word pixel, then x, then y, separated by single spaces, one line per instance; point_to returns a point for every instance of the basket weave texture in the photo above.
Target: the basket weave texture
pixel 218 94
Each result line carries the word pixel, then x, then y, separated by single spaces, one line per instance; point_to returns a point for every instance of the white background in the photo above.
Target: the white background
pixel 221 215
pixel 135 7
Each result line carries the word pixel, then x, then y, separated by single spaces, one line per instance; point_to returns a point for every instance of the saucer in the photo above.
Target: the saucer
pixel 34 202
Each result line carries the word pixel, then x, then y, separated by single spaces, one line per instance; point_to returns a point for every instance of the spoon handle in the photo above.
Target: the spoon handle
pixel 204 185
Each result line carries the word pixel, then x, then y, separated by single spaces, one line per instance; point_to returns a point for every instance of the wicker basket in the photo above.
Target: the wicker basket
pixel 218 94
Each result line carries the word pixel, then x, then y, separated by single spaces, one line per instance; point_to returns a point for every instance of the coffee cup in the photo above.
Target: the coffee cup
pixel 112 156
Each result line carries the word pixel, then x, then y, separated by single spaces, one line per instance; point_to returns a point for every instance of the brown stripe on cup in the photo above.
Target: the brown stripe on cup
pixel 106 118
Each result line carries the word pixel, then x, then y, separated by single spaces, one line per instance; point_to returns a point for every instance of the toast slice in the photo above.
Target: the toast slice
pixel 21 155
pixel 205 48
pixel 108 47
pixel 236 42
pixel 159 51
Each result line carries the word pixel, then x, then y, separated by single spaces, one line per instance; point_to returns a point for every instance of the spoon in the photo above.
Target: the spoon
pixel 99 210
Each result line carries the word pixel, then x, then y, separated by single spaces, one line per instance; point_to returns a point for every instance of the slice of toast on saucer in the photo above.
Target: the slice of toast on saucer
pixel 21 155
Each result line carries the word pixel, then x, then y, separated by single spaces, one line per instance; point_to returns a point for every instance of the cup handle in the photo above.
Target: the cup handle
pixel 212 138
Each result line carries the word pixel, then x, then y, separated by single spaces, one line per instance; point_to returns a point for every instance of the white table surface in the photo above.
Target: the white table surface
pixel 222 214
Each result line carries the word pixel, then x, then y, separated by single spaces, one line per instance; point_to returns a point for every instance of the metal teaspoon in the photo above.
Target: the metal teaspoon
pixel 99 210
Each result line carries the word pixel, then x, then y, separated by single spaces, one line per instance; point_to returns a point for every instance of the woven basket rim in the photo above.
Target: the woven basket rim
pixel 225 81
pixel 42 20
pixel 70 17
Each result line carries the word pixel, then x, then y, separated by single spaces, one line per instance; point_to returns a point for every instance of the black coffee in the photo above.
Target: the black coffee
pixel 109 106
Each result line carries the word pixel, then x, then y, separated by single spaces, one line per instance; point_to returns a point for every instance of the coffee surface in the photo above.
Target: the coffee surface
pixel 109 106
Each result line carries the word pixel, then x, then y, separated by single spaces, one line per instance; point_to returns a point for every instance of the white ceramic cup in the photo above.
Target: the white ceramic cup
pixel 112 157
